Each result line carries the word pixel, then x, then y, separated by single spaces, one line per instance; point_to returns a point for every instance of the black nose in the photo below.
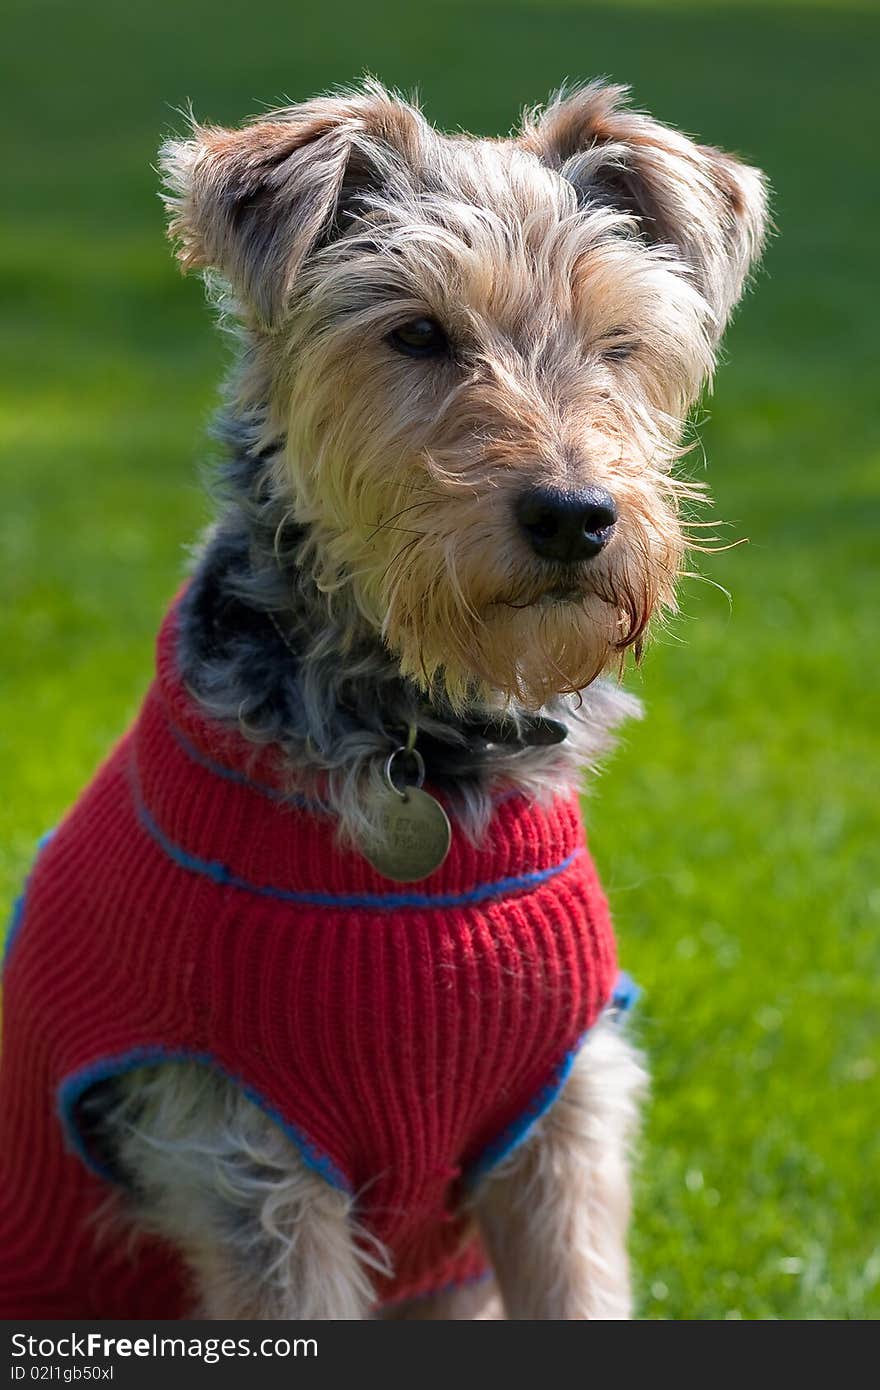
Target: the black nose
pixel 566 526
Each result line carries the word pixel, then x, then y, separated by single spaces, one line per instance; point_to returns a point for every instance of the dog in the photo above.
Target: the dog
pixel 317 980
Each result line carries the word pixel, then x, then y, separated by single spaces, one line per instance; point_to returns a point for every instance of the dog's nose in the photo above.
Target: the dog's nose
pixel 566 526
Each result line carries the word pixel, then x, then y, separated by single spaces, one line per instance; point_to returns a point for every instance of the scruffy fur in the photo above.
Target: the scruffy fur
pixel 366 576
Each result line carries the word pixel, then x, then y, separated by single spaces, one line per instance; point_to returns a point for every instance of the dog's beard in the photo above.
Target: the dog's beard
pixel 537 641
pixel 557 645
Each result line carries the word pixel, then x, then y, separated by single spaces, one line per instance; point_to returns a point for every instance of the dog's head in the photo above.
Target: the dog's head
pixel 480 354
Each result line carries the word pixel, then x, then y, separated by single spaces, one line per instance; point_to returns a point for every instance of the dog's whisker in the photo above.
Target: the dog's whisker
pixel 424 502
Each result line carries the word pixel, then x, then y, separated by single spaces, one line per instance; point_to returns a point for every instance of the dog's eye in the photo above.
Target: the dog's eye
pixel 419 338
pixel 617 347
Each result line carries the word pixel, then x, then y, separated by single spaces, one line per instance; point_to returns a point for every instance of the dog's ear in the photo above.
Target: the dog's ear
pixel 707 205
pixel 252 203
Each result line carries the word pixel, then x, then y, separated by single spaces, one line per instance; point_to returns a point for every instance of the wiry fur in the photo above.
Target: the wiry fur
pixel 366 575
pixel 579 339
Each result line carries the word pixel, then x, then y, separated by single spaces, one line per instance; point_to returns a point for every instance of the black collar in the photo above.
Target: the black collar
pixel 529 731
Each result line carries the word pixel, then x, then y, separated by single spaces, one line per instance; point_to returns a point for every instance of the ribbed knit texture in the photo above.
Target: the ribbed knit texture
pixel 405 1036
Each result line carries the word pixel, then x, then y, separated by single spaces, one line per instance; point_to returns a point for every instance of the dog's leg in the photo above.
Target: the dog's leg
pixel 554 1216
pixel 312 1270
pixel 264 1235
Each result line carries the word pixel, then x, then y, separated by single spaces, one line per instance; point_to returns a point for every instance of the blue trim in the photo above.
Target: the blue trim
pixel 626 993
pixel 17 918
pixel 519 1130
pixel 623 997
pixel 73 1087
pixel 229 774
pixel 219 873
pixel 14 926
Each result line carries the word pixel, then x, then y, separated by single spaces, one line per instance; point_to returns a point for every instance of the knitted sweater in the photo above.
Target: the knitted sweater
pixel 404 1038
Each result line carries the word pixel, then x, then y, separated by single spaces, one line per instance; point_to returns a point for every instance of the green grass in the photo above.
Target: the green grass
pixel 737 830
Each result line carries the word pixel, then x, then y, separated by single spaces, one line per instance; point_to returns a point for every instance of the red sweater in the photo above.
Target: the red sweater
pixel 405 1038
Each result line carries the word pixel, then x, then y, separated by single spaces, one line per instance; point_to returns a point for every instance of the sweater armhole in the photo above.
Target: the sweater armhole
pixel 74 1088
pixel 623 997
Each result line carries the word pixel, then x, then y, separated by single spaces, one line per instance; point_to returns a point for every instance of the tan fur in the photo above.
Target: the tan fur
pixel 337 220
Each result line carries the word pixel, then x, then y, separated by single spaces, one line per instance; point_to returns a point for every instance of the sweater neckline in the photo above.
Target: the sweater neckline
pixel 201 793
pixel 217 747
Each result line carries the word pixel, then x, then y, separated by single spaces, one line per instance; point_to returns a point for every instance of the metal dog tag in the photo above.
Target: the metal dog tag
pixel 414 833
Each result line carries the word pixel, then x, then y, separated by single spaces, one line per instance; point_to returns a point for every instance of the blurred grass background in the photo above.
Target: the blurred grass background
pixel 737 831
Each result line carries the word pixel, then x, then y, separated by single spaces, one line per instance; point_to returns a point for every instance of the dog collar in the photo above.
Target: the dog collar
pixel 530 731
